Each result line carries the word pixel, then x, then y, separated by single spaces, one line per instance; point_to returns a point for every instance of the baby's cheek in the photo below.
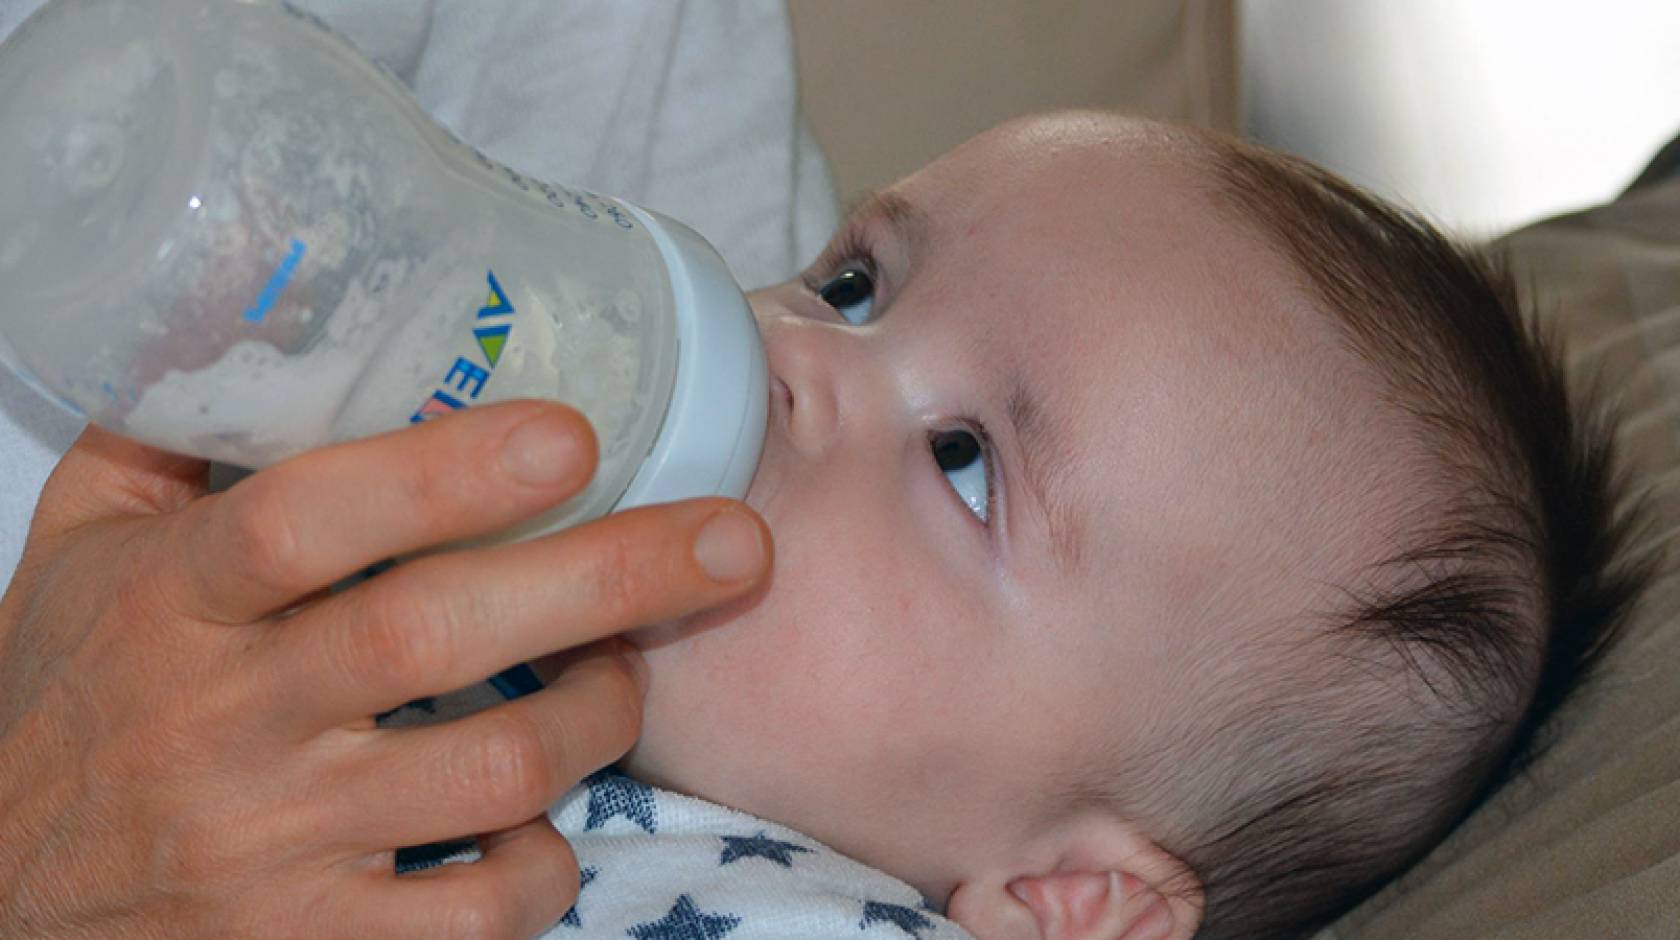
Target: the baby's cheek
pixel 827 682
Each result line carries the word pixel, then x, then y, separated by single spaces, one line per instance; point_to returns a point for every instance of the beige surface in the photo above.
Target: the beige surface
pixel 1589 845
pixel 890 84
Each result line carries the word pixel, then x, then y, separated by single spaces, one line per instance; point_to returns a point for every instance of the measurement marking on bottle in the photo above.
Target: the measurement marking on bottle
pixel 277 283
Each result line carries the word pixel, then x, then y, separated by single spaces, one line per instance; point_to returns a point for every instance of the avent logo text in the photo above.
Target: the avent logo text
pixel 465 379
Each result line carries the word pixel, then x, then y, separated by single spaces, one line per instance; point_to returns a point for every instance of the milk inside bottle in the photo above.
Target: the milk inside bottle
pixel 227 233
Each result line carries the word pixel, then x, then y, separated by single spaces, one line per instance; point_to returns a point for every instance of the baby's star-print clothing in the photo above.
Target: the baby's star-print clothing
pixel 657 865
pixel 661 866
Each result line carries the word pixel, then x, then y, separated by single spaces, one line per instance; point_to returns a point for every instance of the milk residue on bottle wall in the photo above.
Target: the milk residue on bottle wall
pixel 580 347
pixel 257 405
pixel 568 342
pixel 278 386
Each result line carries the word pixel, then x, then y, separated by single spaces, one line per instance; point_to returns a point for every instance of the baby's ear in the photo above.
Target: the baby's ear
pixel 1088 905
pixel 1143 895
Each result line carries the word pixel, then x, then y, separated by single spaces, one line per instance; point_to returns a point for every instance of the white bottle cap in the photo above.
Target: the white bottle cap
pixel 713 431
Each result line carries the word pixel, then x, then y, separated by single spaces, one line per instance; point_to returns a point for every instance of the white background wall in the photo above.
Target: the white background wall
pixel 1483 113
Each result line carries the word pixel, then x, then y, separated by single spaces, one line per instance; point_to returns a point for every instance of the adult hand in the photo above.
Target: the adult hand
pixel 185 741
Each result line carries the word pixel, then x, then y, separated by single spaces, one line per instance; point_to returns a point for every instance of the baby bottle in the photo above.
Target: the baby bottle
pixel 224 232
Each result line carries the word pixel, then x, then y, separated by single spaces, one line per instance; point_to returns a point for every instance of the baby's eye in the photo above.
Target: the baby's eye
pixel 962 458
pixel 851 293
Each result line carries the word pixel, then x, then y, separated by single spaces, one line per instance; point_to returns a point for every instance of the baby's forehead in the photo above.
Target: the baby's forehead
pixel 1222 441
pixel 1076 229
pixel 1059 161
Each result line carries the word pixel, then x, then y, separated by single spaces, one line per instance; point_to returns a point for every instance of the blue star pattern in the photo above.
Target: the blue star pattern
pixel 759 846
pixel 613 794
pixel 584 878
pixel 686 922
pixel 907 919
pixel 660 865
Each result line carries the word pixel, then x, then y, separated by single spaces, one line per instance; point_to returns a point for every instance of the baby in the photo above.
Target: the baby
pixel 1171 541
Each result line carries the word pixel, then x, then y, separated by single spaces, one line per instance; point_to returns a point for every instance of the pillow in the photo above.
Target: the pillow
pixel 1587 844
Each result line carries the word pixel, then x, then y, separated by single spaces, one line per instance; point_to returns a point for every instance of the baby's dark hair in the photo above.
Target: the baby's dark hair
pixel 1312 793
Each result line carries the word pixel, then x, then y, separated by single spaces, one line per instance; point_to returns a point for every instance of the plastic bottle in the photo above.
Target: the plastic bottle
pixel 225 232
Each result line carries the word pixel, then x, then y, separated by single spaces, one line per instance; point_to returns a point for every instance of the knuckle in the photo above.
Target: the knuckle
pixel 194 854
pixel 432 484
pixel 137 593
pixel 509 766
pixel 401 639
pixel 259 539
pixel 179 806
pixel 617 588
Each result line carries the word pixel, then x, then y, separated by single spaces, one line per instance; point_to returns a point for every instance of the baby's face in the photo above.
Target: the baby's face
pixel 1028 511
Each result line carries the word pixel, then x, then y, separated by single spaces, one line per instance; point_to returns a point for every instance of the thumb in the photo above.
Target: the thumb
pixel 105 476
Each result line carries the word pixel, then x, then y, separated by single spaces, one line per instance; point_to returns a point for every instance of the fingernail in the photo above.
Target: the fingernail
pixel 540 451
pixel 729 547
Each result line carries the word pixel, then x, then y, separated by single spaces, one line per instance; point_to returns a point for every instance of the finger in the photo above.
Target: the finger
pixel 103 476
pixel 492 769
pixel 527 880
pixel 441 623
pixel 312 520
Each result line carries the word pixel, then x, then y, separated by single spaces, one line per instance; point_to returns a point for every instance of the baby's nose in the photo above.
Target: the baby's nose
pixel 803 396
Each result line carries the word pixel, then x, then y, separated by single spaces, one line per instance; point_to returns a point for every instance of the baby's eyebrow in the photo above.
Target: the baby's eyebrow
pixel 1046 458
pixel 908 221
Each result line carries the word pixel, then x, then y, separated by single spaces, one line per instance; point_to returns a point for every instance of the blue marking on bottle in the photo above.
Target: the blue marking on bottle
pixel 276 283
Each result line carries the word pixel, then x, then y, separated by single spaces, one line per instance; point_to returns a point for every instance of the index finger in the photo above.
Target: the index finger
pixel 446 621
pixel 308 522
